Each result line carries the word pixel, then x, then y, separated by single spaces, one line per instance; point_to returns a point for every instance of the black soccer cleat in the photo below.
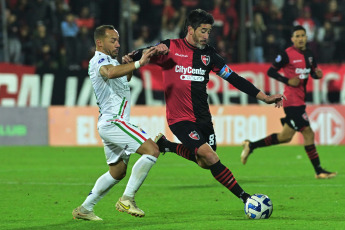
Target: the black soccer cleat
pixel 162 142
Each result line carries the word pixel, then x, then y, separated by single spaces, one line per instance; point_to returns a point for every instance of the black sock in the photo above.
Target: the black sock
pixel 225 177
pixel 267 141
pixel 313 157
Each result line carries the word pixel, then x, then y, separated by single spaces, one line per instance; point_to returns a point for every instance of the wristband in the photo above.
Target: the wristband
pixel 137 64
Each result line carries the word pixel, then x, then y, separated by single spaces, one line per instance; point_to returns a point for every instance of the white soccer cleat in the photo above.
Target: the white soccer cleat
pixel 130 207
pixel 82 213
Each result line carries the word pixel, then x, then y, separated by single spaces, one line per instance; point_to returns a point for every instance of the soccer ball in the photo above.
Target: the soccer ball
pixel 258 206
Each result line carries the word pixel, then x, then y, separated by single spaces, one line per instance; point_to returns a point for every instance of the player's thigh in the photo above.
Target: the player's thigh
pixel 286 134
pixel 189 134
pixel 206 156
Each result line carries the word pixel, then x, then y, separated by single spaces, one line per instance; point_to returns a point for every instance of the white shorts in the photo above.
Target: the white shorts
pixel 120 139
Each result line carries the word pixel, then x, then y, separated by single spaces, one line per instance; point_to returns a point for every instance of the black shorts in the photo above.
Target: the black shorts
pixel 296 117
pixel 192 135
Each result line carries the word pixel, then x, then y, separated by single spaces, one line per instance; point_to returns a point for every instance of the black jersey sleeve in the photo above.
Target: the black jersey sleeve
pixel 243 84
pixel 223 71
pixel 280 61
pixel 136 54
pixel 273 73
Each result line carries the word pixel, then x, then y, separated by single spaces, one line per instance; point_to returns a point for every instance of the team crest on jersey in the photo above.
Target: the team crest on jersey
pixel 194 135
pixel 205 59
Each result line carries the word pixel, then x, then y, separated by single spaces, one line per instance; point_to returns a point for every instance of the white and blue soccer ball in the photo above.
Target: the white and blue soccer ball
pixel 258 206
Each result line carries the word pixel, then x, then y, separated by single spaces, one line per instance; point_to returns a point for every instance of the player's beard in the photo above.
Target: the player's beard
pixel 113 54
pixel 197 42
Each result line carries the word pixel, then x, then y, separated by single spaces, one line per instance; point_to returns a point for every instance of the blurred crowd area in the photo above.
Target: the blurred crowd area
pixel 58 34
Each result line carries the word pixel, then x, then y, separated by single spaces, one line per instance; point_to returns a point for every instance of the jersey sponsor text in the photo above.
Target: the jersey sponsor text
pixel 189 70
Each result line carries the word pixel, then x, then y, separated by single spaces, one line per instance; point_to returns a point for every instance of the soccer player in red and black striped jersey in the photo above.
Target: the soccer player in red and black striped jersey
pixel 186 69
pixel 298 63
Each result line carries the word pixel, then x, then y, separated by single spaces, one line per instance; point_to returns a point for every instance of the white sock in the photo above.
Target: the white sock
pixel 102 186
pixel 139 172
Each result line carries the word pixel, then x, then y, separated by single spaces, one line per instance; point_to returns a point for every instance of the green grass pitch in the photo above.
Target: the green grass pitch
pixel 40 186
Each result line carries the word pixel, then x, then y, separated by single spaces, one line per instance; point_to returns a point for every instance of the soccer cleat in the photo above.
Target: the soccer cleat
pixel 161 141
pixel 130 207
pixel 325 174
pixel 246 151
pixel 82 213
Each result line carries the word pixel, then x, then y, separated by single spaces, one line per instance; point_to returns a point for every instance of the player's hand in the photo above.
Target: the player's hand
pixel 127 59
pixel 318 73
pixel 161 49
pixel 145 58
pixel 294 82
pixel 277 99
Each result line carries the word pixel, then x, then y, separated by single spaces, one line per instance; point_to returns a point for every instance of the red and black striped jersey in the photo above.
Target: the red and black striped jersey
pixel 185 76
pixel 295 62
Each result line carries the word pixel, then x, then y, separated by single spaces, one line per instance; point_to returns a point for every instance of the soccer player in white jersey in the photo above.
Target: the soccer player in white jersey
pixel 120 138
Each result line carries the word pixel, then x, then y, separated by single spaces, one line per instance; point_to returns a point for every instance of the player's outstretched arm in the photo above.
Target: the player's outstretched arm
pixel 111 71
pixel 160 49
pixel 276 98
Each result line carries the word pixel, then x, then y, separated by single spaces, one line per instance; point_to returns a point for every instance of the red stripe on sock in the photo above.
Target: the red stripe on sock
pixel 312 154
pixel 221 174
pixel 268 140
pixel 232 184
pixel 225 178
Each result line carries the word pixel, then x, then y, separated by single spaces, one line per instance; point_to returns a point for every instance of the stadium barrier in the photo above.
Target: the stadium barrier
pixel 76 126
pixel 23 126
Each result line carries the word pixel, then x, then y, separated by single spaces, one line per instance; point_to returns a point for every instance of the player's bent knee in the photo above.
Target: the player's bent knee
pixel 285 139
pixel 206 160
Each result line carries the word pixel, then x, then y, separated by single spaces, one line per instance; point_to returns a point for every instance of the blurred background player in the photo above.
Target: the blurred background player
pixel 120 138
pixel 297 62
pixel 186 71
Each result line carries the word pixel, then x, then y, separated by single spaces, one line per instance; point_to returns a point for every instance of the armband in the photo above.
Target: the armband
pixel 225 72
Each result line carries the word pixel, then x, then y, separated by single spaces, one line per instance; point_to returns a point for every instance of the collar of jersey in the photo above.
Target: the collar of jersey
pixel 99 52
pixel 189 45
pixel 298 50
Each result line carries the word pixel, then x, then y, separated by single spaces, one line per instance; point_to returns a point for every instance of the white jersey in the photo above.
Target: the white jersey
pixel 119 136
pixel 113 95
